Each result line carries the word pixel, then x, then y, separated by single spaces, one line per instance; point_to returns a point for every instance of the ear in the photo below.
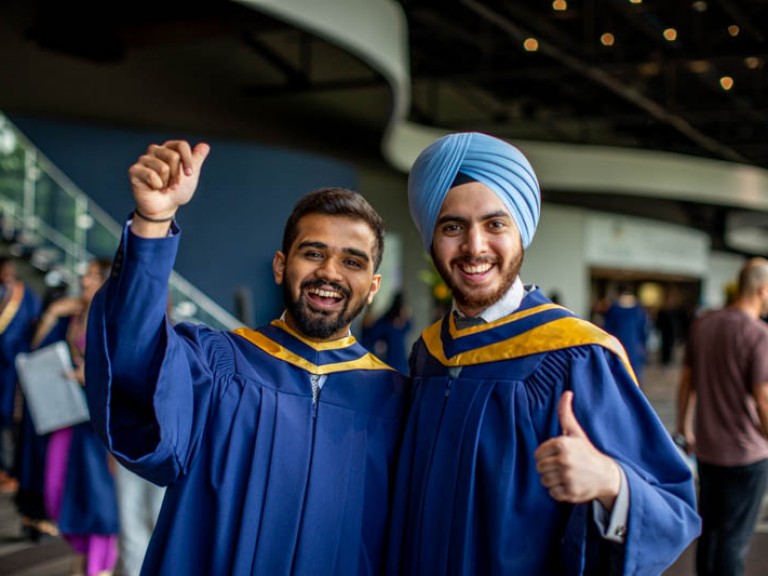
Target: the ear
pixel 278 267
pixel 375 285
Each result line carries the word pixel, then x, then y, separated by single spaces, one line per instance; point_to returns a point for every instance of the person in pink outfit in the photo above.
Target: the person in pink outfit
pixel 79 488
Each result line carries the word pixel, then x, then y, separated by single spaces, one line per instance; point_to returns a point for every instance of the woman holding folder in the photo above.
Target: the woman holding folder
pixel 79 487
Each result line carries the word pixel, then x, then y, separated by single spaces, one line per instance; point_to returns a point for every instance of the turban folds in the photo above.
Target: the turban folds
pixel 490 161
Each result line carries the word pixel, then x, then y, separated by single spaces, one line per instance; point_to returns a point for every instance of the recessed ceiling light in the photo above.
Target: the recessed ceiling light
pixel 670 34
pixel 700 6
pixel 752 62
pixel 649 69
pixel 607 39
pixel 699 66
pixel 726 82
pixel 733 30
pixel 559 5
pixel 531 44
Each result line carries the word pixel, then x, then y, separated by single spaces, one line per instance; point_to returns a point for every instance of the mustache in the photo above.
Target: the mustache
pixel 474 260
pixel 320 283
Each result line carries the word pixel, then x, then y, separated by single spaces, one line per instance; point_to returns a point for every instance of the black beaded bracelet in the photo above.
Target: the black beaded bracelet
pixel 148 219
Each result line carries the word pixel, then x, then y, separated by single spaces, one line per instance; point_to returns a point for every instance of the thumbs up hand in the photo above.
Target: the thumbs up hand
pixel 571 468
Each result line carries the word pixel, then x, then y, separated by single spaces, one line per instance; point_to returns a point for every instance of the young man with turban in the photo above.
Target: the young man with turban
pixel 278 445
pixel 529 448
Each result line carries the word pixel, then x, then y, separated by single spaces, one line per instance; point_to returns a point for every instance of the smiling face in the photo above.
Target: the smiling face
pixel 328 275
pixel 476 247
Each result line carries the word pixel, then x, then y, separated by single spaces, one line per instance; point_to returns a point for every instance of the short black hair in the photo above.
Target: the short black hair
pixel 336 202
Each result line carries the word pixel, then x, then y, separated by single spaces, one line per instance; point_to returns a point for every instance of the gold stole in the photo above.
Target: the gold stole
pixel 554 335
pixel 11 306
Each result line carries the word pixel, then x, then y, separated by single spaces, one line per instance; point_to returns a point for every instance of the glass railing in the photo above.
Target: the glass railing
pixel 46 219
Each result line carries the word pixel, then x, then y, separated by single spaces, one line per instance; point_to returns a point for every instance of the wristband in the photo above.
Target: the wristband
pixel 148 219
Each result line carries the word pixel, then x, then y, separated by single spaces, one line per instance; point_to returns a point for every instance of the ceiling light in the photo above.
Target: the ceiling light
pixel 700 6
pixel 531 44
pixel 733 30
pixel 726 82
pixel 635 1
pixel 670 34
pixel 559 5
pixel 752 62
pixel 649 69
pixel 699 66
pixel 607 39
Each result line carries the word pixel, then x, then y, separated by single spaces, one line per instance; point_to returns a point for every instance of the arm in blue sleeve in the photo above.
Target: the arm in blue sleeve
pixel 131 345
pixel 135 303
pixel 662 519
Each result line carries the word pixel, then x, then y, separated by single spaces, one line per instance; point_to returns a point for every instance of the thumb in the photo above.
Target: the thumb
pixel 570 425
pixel 200 153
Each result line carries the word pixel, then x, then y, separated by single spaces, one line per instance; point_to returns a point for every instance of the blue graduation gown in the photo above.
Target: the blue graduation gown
pixel 394 336
pixel 630 324
pixel 89 501
pixel 469 500
pixel 17 322
pixel 263 478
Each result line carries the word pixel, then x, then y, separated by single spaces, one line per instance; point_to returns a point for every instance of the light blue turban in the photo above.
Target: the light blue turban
pixel 490 161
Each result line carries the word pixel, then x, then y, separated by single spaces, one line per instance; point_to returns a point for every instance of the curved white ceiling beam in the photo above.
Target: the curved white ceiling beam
pixel 373 30
pixel 376 32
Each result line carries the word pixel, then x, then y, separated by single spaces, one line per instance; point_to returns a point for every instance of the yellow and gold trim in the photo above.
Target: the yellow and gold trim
pixel 11 306
pixel 366 362
pixel 456 332
pixel 555 335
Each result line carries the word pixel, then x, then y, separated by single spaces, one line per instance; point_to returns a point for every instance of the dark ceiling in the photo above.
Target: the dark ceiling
pixel 220 68
pixel 641 91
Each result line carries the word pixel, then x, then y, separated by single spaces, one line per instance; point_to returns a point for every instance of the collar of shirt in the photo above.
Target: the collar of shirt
pixel 504 306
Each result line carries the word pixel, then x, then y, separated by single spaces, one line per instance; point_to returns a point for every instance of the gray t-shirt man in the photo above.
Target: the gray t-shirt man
pixel 727 353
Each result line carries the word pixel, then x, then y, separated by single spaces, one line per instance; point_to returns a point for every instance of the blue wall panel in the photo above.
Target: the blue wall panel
pixel 234 223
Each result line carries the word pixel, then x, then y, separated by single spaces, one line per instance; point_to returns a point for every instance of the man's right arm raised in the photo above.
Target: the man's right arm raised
pixel 131 345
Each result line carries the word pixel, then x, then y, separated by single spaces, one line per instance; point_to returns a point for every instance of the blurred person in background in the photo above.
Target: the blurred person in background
pixel 387 336
pixel 79 487
pixel 32 447
pixel 628 320
pixel 19 310
pixel 722 414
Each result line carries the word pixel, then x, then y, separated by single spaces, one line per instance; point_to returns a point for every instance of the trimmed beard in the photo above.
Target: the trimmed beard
pixel 320 325
pixel 474 300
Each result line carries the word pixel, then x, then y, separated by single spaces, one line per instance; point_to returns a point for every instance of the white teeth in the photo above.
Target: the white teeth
pixel 325 293
pixel 477 269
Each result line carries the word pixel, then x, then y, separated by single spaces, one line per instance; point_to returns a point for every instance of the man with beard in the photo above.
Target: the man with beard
pixel 529 447
pixel 277 445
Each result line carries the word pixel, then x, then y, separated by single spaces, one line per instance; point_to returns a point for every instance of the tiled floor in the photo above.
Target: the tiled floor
pixel 52 557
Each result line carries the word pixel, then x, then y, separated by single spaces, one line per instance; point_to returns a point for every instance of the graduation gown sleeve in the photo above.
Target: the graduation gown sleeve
pixel 139 371
pixel 619 420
